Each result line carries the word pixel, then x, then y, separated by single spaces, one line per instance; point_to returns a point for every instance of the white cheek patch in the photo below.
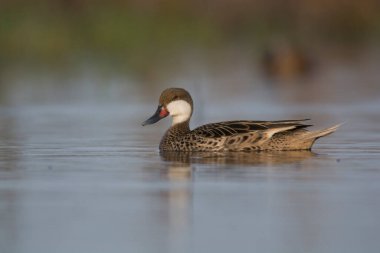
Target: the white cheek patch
pixel 180 110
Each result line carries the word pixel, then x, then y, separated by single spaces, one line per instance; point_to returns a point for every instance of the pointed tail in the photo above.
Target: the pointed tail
pixel 323 132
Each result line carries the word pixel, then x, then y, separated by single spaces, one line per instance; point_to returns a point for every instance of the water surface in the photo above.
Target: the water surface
pixel 90 179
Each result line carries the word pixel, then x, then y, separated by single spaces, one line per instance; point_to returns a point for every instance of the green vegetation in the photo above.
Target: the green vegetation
pixel 137 32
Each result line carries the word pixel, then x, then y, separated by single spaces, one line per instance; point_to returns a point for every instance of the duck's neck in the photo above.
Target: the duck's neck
pixel 179 128
pixel 174 133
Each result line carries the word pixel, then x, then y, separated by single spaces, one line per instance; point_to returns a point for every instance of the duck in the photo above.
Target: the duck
pixel 237 135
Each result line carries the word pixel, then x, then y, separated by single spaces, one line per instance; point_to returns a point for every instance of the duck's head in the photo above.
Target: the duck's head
pixel 175 102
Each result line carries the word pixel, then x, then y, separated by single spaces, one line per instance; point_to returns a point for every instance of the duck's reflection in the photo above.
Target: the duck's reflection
pixel 179 199
pixel 183 159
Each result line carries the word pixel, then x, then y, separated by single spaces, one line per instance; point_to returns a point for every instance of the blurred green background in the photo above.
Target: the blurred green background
pixel 79 50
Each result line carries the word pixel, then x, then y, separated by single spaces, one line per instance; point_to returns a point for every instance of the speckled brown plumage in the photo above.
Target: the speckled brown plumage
pixel 233 135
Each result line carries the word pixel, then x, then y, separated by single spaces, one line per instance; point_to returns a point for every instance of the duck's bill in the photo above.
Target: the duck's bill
pixel 159 114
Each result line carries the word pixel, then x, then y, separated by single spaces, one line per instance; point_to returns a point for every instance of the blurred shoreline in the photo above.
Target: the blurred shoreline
pixel 56 31
pixel 73 50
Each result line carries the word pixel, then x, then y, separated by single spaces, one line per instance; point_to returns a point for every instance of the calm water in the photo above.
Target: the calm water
pixel 90 179
pixel 78 173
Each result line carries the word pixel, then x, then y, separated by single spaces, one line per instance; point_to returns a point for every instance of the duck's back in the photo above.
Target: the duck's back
pixel 247 135
pixel 244 136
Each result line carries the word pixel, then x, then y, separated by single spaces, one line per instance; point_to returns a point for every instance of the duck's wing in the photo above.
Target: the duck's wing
pixel 231 128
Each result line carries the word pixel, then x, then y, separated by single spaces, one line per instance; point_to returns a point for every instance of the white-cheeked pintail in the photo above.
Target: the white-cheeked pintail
pixel 240 135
